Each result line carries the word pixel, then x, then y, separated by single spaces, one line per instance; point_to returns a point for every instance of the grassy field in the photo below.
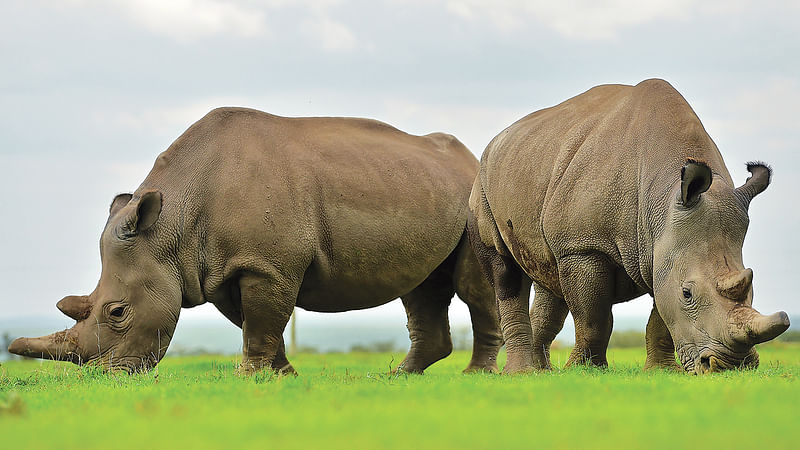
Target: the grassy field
pixel 349 401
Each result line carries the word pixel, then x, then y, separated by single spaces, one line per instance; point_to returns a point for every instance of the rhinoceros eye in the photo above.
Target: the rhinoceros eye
pixel 687 293
pixel 117 312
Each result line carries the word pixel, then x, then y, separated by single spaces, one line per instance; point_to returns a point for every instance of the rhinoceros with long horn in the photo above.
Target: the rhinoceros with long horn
pixel 609 195
pixel 257 214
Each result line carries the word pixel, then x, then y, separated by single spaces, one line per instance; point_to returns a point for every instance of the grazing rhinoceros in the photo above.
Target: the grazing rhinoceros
pixel 612 194
pixel 257 214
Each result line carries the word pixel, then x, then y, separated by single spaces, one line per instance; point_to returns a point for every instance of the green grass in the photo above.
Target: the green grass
pixel 349 401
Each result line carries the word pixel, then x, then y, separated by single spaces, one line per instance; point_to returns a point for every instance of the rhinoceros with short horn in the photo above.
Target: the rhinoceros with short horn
pixel 257 214
pixel 607 196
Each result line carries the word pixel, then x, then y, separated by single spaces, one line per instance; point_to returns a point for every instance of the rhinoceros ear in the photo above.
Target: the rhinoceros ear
pixel 695 179
pixel 144 215
pixel 760 175
pixel 118 203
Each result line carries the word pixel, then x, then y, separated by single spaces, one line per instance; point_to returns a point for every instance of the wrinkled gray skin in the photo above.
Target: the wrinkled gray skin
pixel 258 214
pixel 612 194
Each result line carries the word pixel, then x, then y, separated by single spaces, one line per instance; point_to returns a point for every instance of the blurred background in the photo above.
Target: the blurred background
pixel 92 91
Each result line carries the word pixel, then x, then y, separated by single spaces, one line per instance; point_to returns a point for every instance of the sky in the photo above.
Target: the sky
pixel 92 91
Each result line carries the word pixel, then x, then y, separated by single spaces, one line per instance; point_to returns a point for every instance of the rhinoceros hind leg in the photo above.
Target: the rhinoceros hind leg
pixel 548 313
pixel 587 281
pixel 512 291
pixel 512 287
pixel 428 326
pixel 474 289
pixel 267 303
pixel 660 347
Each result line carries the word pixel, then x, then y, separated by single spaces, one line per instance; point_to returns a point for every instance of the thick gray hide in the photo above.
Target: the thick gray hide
pixel 258 214
pixel 612 194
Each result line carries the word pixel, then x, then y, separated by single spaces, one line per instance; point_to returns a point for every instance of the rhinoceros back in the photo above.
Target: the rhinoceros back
pixel 584 176
pixel 365 210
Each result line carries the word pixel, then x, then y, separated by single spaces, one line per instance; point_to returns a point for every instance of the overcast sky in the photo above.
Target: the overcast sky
pixel 92 91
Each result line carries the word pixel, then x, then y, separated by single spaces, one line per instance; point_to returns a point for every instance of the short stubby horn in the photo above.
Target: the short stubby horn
pixel 77 307
pixel 735 286
pixel 749 327
pixel 60 346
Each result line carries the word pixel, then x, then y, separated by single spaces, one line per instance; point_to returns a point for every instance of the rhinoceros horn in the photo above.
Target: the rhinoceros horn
pixel 736 285
pixel 77 307
pixel 749 327
pixel 60 346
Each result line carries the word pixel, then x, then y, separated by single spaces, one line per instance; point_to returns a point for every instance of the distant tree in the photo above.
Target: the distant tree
pixel 4 343
pixel 462 337
pixel 626 339
pixel 307 349
pixel 790 336
pixel 375 347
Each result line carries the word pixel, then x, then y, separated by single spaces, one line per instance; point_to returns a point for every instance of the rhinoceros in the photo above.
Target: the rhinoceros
pixel 257 214
pixel 612 194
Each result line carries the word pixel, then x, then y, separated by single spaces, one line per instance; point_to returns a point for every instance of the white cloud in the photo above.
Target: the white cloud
pixel 442 65
pixel 473 125
pixel 331 35
pixel 161 120
pixel 758 121
pixel 770 107
pixel 186 20
pixel 190 20
pixel 581 19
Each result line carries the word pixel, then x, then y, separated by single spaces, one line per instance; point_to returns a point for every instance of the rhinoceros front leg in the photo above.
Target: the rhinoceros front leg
pixel 548 313
pixel 588 285
pixel 234 314
pixel 660 348
pixel 281 364
pixel 267 303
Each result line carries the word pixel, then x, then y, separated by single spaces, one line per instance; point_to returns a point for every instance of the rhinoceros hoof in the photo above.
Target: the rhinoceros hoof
pixel 403 367
pixel 286 370
pixel 252 367
pixel 662 365
pixel 481 368
pixel 515 369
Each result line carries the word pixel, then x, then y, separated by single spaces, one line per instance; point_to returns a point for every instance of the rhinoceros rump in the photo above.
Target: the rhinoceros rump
pixel 258 214
pixel 612 194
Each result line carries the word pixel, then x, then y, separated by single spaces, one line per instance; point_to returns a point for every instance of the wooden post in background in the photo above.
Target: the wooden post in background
pixel 293 333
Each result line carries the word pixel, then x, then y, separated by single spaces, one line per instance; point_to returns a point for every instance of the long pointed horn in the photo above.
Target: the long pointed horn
pixel 736 285
pixel 751 328
pixel 60 346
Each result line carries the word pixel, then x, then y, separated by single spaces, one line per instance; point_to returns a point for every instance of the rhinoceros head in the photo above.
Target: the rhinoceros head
pixel 702 289
pixel 128 321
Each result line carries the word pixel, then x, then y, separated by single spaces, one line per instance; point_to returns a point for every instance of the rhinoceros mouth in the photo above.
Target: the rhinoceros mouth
pixel 128 364
pixel 132 365
pixel 715 362
pixel 715 357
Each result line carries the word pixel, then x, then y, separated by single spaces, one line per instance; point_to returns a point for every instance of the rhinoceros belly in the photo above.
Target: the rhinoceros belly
pixel 369 257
